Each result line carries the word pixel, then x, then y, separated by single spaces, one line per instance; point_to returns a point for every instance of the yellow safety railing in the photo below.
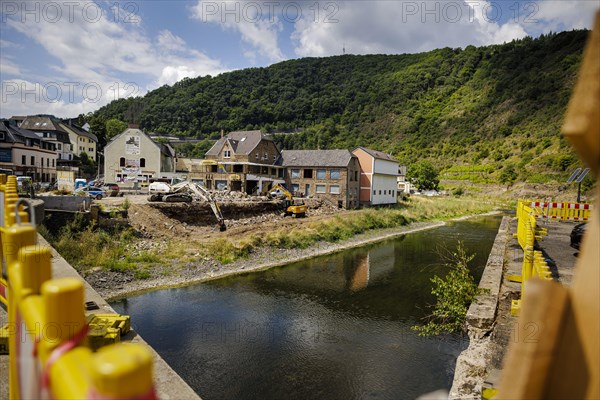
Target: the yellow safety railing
pixel 534 264
pixel 48 330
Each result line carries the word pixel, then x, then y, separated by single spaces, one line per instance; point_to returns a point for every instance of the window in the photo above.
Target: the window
pixel 23 160
pixel 91 150
pixel 334 174
pixel 53 162
pixel 374 192
pixel 295 173
pixel 47 162
pixel 308 173
pixel 32 160
pixel 295 188
pixel 257 156
pixel 266 156
pixel 59 146
pixel 142 162
pixel 355 175
pixel 380 192
pixel 122 162
pixel 227 154
pixel 334 189
pixel 320 189
pixel 321 174
pixel 1 135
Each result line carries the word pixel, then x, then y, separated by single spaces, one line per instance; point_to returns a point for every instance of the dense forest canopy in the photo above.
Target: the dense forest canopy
pixel 478 109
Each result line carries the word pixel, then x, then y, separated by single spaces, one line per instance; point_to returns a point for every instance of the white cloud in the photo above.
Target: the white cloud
pixel 8 68
pixel 5 44
pixel 101 52
pixel 365 27
pixel 167 41
pixel 556 16
pixel 21 97
pixel 256 22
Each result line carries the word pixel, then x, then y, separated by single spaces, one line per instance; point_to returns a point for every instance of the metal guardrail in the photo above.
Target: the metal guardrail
pixel 48 333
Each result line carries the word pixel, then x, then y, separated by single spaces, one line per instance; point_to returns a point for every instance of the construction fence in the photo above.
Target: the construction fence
pixel 55 350
pixel 529 212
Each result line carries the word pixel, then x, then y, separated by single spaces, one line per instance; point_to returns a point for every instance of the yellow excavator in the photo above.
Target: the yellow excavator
pixel 295 208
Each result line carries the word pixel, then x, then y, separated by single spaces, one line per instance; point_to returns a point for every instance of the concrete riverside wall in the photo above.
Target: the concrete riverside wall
pixel 471 363
pixel 169 385
pixel 66 203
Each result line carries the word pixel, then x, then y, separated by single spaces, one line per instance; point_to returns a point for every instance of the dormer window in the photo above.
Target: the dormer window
pixel 227 154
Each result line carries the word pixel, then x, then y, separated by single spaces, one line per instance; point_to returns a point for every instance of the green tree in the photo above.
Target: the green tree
pixel 423 175
pixel 114 127
pixel 508 174
pixel 453 294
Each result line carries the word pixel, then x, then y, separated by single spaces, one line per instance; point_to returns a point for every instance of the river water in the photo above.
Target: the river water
pixel 334 327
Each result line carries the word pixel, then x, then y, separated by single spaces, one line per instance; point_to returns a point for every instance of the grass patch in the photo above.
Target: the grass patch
pixel 86 247
pixel 338 228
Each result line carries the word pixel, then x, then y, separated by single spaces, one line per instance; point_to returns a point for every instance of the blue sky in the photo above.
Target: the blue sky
pixel 73 56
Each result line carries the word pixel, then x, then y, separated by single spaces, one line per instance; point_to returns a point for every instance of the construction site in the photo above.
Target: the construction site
pixel 197 219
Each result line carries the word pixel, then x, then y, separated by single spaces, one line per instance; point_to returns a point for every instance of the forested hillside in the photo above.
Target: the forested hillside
pixel 470 111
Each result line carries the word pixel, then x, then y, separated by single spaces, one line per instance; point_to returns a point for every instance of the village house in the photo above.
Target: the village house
pixel 81 140
pixel 241 161
pixel 378 177
pixel 332 175
pixel 24 153
pixel 48 129
pixel 133 157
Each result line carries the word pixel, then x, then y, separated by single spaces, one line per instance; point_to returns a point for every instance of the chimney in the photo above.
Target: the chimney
pixel 221 133
pixel 133 126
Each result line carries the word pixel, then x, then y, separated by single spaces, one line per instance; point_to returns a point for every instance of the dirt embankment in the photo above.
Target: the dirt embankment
pixel 196 220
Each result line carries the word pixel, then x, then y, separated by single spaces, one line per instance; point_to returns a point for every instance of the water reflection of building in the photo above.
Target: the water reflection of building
pixel 352 272
pixel 371 267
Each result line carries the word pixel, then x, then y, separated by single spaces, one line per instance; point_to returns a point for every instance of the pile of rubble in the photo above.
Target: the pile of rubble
pixel 222 196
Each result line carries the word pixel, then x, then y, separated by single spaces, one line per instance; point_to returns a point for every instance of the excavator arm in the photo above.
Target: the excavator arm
pixel 204 194
pixel 159 191
pixel 283 190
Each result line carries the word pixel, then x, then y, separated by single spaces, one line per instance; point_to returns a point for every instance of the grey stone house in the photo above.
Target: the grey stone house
pixel 332 175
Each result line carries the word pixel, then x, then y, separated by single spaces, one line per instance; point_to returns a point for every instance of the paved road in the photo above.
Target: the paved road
pixel 560 256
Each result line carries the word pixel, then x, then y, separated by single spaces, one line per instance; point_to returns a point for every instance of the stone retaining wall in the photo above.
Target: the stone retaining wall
pixel 471 364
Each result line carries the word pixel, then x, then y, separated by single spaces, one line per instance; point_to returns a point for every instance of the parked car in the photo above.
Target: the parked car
pixel 577 234
pixel 93 192
pixel 112 189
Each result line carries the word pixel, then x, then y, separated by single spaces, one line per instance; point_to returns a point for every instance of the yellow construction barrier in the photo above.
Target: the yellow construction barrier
pixel 48 332
pixel 559 211
pixel 534 264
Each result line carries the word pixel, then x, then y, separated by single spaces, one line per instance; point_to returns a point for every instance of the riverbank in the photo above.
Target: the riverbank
pixel 115 285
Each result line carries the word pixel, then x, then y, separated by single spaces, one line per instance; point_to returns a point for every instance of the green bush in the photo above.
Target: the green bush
pixel 454 293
